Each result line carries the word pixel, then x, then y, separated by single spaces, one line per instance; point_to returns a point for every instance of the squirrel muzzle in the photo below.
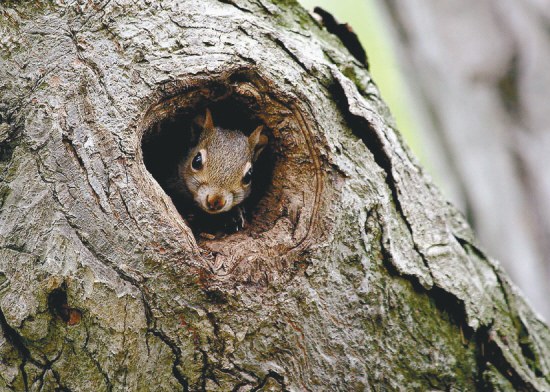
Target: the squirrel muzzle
pixel 215 202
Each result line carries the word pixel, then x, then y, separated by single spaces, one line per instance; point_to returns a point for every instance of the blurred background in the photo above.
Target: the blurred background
pixel 468 83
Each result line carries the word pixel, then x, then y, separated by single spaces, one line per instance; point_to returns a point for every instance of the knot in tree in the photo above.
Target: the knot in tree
pixel 250 211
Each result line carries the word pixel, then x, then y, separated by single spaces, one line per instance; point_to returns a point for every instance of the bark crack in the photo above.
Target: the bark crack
pixel 273 376
pixel 95 13
pixel 455 306
pixel 264 7
pixel 98 73
pixel 48 366
pixel 72 151
pixel 234 4
pixel 528 348
pixel 345 33
pixel 182 380
pixel 490 351
pixel 101 371
pixel 291 54
pixel 364 130
pixel 176 351
pixel 148 313
pixel 18 342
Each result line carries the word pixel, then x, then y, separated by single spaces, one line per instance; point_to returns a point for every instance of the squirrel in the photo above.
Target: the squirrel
pixel 217 173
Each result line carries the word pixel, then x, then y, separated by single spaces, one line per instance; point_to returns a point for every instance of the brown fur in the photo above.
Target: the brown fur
pixel 226 154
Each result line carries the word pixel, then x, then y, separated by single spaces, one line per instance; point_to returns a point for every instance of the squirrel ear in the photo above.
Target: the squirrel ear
pixel 204 120
pixel 202 124
pixel 208 123
pixel 257 142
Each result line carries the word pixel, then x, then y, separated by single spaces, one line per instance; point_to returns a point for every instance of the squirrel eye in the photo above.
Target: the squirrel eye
pixel 196 164
pixel 247 177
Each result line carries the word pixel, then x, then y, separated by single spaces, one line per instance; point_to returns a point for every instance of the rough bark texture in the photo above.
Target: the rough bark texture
pixel 352 274
pixel 479 72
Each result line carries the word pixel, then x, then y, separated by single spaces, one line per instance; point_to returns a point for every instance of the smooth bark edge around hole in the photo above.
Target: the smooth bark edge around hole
pixel 285 217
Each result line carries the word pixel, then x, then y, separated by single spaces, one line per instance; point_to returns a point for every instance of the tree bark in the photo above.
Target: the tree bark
pixel 352 273
pixel 478 71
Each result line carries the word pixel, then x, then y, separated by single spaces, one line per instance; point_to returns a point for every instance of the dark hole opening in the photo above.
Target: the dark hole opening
pixel 59 307
pixel 169 141
pixel 7 148
pixel 57 302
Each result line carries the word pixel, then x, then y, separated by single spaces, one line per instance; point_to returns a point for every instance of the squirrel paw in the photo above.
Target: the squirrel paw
pixel 237 221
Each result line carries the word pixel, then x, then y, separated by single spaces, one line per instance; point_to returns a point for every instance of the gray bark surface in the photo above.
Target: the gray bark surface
pixel 479 75
pixel 353 274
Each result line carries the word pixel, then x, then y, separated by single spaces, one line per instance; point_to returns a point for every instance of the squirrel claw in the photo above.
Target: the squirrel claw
pixel 238 221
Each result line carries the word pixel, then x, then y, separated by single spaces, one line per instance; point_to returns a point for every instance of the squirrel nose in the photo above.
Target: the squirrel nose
pixel 215 203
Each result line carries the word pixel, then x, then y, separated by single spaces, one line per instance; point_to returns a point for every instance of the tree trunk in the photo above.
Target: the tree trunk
pixel 485 102
pixel 351 274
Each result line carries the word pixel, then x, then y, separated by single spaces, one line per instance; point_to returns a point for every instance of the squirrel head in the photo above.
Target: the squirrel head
pixel 218 170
